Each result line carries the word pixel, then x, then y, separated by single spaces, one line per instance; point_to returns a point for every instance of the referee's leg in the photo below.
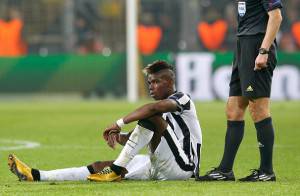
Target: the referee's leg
pixel 260 113
pixel 235 111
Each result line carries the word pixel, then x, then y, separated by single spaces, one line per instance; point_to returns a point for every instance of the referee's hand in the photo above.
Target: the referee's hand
pixel 261 61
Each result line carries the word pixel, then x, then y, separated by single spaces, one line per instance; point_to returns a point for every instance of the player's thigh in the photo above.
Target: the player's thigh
pixel 169 161
pixel 139 168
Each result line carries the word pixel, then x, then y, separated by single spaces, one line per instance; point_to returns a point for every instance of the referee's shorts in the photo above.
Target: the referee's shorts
pixel 244 80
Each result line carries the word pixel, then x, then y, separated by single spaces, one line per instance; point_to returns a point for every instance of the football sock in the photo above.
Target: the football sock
pixel 117 169
pixel 265 138
pixel 139 138
pixel 233 139
pixel 91 169
pixel 35 174
pixel 73 174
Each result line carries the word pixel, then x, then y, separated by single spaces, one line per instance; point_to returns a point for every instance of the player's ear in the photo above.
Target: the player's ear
pixel 170 81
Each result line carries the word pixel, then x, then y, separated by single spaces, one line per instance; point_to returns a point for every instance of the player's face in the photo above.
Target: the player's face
pixel 159 87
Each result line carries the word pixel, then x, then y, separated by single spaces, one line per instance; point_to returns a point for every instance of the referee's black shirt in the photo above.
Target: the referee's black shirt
pixel 253 15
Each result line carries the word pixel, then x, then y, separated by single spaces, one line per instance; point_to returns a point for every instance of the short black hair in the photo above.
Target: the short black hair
pixel 157 66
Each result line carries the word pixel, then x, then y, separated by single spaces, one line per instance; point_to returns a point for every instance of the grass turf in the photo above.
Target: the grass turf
pixel 70 135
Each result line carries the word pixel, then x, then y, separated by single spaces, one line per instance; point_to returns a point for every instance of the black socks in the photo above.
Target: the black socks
pixel 117 169
pixel 35 174
pixel 91 169
pixel 265 138
pixel 234 136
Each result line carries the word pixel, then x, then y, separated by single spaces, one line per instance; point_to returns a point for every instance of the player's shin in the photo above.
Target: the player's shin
pixel 139 138
pixel 68 174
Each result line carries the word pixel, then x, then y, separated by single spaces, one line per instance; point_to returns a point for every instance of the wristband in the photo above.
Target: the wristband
pixel 123 133
pixel 120 122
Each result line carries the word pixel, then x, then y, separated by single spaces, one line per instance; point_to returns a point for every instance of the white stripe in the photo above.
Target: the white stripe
pixel 6 144
pixel 216 174
pixel 183 100
pixel 264 177
pixel 178 146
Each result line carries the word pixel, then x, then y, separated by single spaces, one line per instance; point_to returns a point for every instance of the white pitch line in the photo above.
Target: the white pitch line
pixel 8 144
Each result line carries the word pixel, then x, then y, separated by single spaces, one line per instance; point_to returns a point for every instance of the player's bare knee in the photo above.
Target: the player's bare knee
pixel 155 124
pixel 158 122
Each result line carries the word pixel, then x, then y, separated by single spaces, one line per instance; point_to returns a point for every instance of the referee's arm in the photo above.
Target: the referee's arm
pixel 274 22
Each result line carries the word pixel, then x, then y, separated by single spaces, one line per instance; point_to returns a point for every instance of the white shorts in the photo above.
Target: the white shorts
pixel 168 162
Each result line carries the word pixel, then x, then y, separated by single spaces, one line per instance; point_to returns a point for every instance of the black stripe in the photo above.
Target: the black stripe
pixel 132 141
pixel 170 123
pixel 187 106
pixel 176 154
pixel 146 124
pixel 197 172
pixel 177 95
pixel 186 134
pixel 180 106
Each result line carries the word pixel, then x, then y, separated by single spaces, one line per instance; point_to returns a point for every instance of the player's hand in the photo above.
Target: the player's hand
pixel 261 61
pixel 113 138
pixel 113 127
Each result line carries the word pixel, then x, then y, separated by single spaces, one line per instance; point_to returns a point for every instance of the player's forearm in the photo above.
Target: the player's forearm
pixel 143 112
pixel 147 111
pixel 273 26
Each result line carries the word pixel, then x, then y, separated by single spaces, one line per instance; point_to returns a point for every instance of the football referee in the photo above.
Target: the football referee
pixel 250 86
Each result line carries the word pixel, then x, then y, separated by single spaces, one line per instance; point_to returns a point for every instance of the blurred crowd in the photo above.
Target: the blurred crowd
pixel 98 26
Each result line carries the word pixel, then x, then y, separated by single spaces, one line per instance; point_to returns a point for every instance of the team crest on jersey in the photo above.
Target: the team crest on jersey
pixel 242 8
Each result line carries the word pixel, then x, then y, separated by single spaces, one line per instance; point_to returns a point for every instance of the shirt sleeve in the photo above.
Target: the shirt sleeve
pixel 182 100
pixel 270 5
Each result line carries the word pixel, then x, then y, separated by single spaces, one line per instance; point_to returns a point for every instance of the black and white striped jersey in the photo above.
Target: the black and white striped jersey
pixel 186 126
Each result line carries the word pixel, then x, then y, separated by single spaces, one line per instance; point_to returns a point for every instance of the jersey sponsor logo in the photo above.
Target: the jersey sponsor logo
pixel 242 8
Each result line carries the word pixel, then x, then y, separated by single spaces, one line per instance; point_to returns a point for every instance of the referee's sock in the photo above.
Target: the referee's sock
pixel 233 139
pixel 265 138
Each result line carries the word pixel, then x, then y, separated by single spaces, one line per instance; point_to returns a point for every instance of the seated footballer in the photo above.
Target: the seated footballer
pixel 169 127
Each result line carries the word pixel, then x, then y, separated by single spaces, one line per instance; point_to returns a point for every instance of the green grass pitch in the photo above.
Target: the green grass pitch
pixel 70 134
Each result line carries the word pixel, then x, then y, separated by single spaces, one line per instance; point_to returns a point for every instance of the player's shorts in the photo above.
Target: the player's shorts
pixel 168 162
pixel 244 80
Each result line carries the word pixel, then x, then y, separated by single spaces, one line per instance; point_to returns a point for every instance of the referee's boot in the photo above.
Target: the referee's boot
pixel 106 175
pixel 258 175
pixel 217 175
pixel 20 169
